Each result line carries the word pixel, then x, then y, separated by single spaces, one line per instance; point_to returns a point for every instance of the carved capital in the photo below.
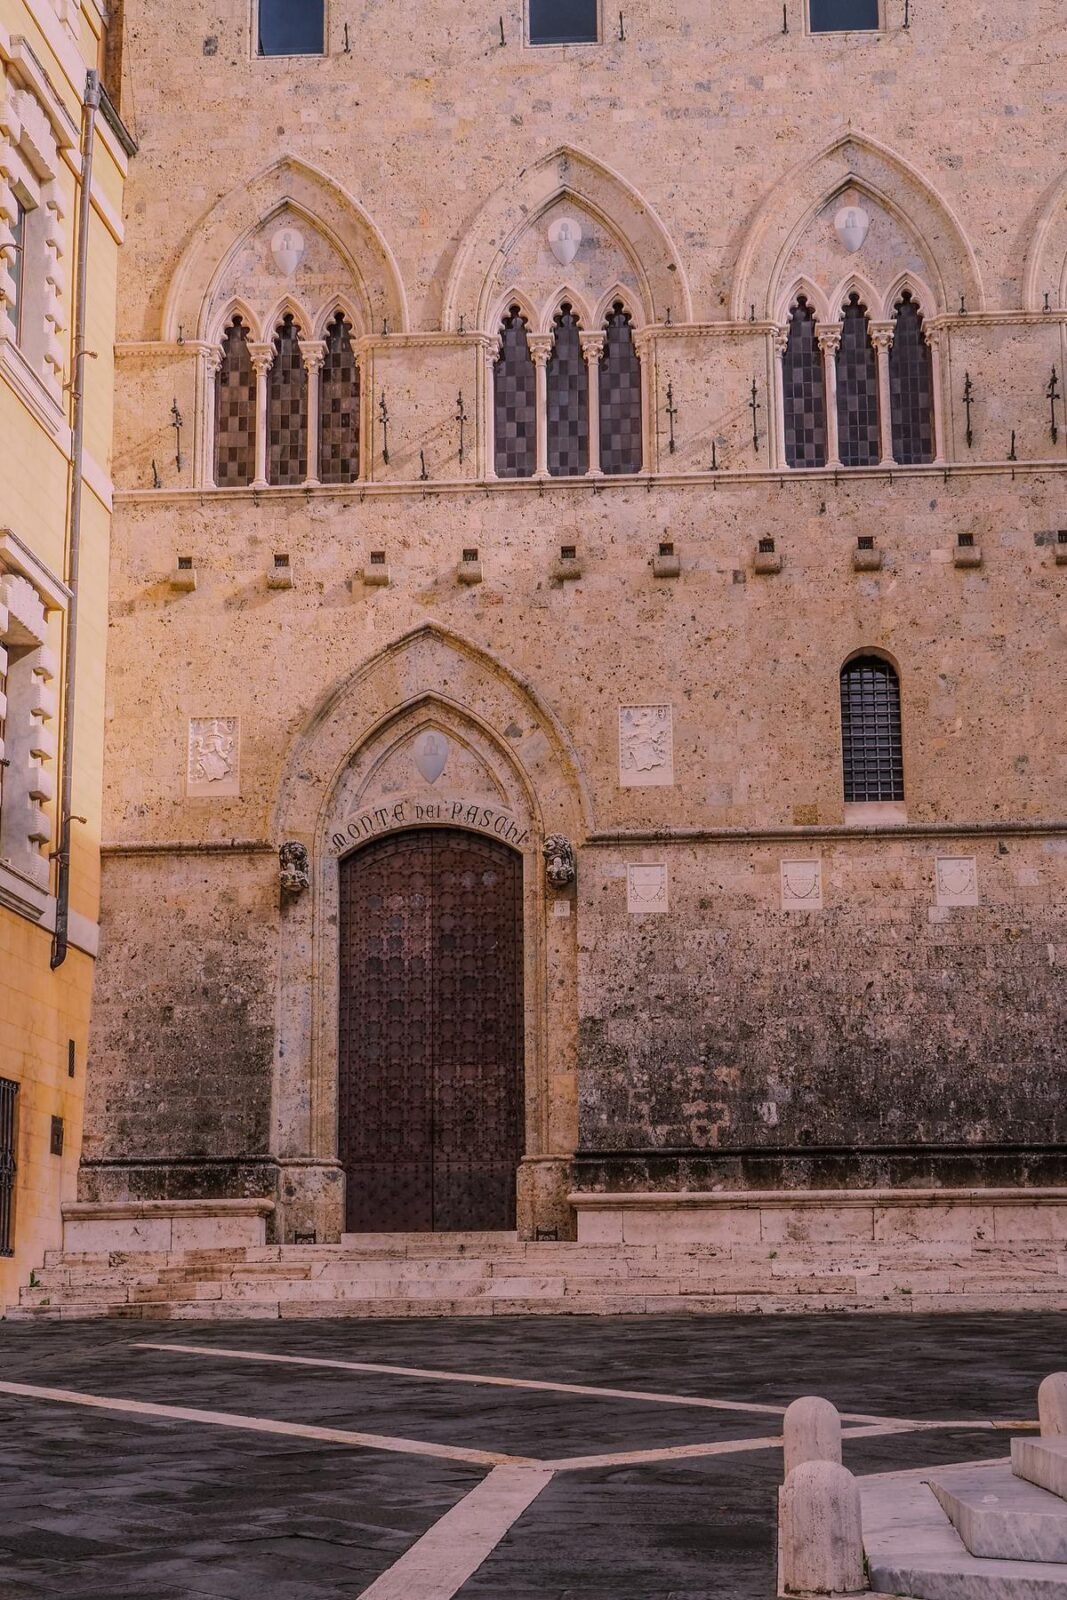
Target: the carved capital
pixel 262 357
pixel 828 336
pixel 881 334
pixel 540 346
pixel 780 341
pixel 313 353
pixel 592 344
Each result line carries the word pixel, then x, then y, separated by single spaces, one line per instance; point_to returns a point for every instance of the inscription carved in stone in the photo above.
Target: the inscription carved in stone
pixel 956 881
pixel 802 885
pixel 646 746
pixel 214 757
pixel 646 886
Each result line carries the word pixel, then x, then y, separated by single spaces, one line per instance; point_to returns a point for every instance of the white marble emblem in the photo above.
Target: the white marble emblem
pixel 956 881
pixel 564 237
pixel 646 746
pixel 646 886
pixel 214 757
pixel 431 755
pixel 802 885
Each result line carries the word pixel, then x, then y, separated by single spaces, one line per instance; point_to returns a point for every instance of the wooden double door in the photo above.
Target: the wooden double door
pixel 431 1032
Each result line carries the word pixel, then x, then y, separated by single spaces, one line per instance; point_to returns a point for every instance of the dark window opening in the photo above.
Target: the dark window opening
pixel 291 28
pixel 514 393
pixel 235 411
pixel 9 1091
pixel 568 399
pixel 287 408
pixel 840 16
pixel 563 21
pixel 858 425
pixel 911 387
pixel 339 406
pixel 620 396
pixel 16 270
pixel 804 388
pixel 871 743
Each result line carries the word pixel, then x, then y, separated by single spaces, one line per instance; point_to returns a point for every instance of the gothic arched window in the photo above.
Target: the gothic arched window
pixel 235 411
pixel 287 408
pixel 339 406
pixel 858 427
pixel 568 399
pixel 514 397
pixel 620 395
pixel 804 389
pixel 911 386
pixel 871 743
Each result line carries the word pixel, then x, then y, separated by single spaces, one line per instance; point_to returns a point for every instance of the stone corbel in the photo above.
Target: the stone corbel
pixel 560 868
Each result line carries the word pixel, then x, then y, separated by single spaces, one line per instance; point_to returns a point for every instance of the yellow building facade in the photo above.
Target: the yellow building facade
pixel 58 266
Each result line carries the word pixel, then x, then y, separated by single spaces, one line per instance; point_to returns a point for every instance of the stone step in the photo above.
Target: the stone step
pixel 999 1515
pixel 912 1549
pixel 1042 1461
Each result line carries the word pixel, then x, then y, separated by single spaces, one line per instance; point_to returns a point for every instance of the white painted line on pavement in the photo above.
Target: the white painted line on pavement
pixel 593 1391
pixel 438 1565
pixel 297 1430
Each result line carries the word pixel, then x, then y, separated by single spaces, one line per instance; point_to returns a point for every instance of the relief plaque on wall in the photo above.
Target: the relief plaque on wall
pixel 646 886
pixel 802 885
pixel 956 881
pixel 646 746
pixel 214 765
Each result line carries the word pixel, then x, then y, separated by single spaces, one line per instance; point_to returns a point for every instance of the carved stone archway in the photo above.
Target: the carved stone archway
pixel 368 762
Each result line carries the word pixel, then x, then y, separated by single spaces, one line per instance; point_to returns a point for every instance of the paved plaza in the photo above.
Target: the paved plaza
pixel 570 1459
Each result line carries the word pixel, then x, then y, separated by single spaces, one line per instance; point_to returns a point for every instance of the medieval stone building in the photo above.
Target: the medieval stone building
pixel 589 492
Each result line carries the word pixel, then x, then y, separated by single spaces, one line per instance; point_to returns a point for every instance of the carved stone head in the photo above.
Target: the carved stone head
pixel 559 861
pixel 295 871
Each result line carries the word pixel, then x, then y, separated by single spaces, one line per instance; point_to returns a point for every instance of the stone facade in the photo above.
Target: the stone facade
pixel 646 664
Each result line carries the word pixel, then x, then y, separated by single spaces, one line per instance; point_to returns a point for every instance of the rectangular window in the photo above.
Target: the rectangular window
pixel 8 1122
pixel 291 28
pixel 563 21
pixel 841 16
pixel 16 267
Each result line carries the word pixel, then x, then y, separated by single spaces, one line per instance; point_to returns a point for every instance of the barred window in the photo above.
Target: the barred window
pixel 620 395
pixel 339 406
pixel 287 408
pixel 514 394
pixel 568 400
pixel 911 387
pixel 804 387
pixel 871 744
pixel 563 21
pixel 235 411
pixel 859 430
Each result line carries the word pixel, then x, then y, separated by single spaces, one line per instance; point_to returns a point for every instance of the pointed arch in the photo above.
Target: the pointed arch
pixel 815 297
pixel 908 283
pixel 607 302
pixel 501 308
pixel 590 186
pixel 1045 266
pixel 342 304
pixel 408 671
pixel 858 163
pixel 855 284
pixel 288 306
pixel 297 189
pixel 561 296
pixel 237 307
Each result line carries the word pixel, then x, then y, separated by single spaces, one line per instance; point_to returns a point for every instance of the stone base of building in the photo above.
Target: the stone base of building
pixel 172 1226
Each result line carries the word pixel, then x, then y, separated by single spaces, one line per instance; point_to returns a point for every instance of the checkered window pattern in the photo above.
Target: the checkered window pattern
pixel 871 743
pixel 859 433
pixel 339 406
pixel 287 408
pixel 804 386
pixel 568 400
pixel 911 387
pixel 620 396
pixel 514 394
pixel 235 411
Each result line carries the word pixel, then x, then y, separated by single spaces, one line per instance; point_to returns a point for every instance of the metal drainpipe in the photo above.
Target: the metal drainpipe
pixel 90 105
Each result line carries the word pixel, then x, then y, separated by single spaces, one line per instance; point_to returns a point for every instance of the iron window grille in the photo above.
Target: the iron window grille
pixel 871 741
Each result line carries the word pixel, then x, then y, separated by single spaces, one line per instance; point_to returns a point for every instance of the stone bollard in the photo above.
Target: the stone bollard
pixel 812 1431
pixel 820 1532
pixel 1052 1403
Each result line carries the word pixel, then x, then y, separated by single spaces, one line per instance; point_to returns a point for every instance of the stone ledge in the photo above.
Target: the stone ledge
pixel 808 1199
pixel 168 1225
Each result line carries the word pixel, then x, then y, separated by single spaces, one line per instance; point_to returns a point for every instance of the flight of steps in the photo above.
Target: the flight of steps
pixel 396 1275
pixel 995 1531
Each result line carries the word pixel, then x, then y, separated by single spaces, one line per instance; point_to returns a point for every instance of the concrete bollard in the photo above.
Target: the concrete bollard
pixel 820 1531
pixel 1052 1403
pixel 812 1431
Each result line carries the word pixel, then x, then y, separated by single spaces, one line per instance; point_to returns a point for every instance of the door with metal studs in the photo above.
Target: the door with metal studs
pixel 430 1126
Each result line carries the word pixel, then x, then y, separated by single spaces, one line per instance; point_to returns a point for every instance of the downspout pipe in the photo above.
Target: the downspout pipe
pixel 90 106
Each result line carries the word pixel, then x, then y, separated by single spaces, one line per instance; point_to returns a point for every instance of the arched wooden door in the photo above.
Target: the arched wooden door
pixel 431 1032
